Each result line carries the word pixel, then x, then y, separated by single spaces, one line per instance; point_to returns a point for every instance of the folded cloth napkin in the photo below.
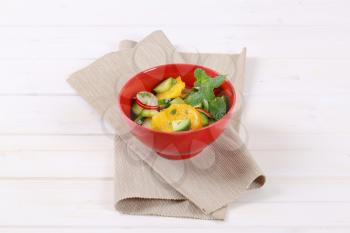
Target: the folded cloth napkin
pixel 146 184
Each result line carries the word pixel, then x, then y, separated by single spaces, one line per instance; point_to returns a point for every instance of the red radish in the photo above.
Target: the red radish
pixel 146 106
pixel 204 112
pixel 146 100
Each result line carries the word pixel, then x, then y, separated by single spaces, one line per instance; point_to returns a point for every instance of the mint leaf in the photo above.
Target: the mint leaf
pixel 201 77
pixel 217 81
pixel 204 87
pixel 217 107
pixel 194 98
pixel 203 91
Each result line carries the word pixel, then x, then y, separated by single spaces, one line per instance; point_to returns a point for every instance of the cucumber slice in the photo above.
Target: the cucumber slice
pixel 148 113
pixel 177 100
pixel 181 125
pixel 135 110
pixel 164 103
pixel 146 99
pixel 139 120
pixel 147 123
pixel 204 119
pixel 165 85
pixel 205 104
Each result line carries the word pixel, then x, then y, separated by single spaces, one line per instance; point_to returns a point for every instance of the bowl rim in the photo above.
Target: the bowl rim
pixel 135 125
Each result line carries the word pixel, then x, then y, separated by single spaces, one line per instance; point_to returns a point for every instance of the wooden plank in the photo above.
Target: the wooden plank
pixel 38 76
pixel 108 12
pixel 296 76
pixel 57 164
pixel 160 229
pixel 269 141
pixel 92 42
pixel 41 114
pixel 241 215
pixel 296 114
pixel 27 143
pixel 263 76
pixel 81 191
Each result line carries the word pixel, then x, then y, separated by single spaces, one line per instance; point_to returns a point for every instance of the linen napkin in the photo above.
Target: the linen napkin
pixel 146 184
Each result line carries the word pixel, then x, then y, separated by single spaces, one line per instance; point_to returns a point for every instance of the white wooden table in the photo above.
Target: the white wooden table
pixel 56 165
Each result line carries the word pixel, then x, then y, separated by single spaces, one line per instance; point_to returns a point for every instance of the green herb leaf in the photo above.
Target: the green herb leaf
pixel 194 98
pixel 201 77
pixel 217 81
pixel 204 92
pixel 217 107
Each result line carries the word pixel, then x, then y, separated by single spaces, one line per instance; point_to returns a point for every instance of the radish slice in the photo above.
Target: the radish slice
pixel 146 106
pixel 204 112
pixel 147 100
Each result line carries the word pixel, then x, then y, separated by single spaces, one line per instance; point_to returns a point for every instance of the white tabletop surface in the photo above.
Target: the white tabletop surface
pixel 56 164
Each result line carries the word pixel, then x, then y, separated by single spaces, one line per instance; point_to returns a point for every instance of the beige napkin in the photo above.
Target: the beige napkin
pixel 147 184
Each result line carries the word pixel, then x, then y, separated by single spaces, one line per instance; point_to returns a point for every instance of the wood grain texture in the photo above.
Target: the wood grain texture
pixel 177 229
pixel 108 12
pixel 56 165
pixel 314 42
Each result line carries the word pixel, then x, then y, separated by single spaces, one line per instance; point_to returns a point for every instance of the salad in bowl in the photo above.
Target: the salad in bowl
pixel 173 107
pixel 177 109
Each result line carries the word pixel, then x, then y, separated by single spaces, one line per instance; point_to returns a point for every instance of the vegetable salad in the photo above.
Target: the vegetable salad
pixel 172 107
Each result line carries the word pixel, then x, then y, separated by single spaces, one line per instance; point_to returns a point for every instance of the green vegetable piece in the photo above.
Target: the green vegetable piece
pixel 203 94
pixel 205 104
pixel 204 119
pixel 177 100
pixel 194 98
pixel 181 125
pixel 217 107
pixel 205 86
pixel 173 112
pixel 139 120
pixel 202 78
pixel 165 85
pixel 164 103
pixel 148 113
pixel 135 110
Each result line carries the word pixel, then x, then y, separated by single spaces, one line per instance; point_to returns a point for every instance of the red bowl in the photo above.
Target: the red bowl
pixel 177 145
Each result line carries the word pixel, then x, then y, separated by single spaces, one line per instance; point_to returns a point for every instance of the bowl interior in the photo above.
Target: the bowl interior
pixel 149 79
